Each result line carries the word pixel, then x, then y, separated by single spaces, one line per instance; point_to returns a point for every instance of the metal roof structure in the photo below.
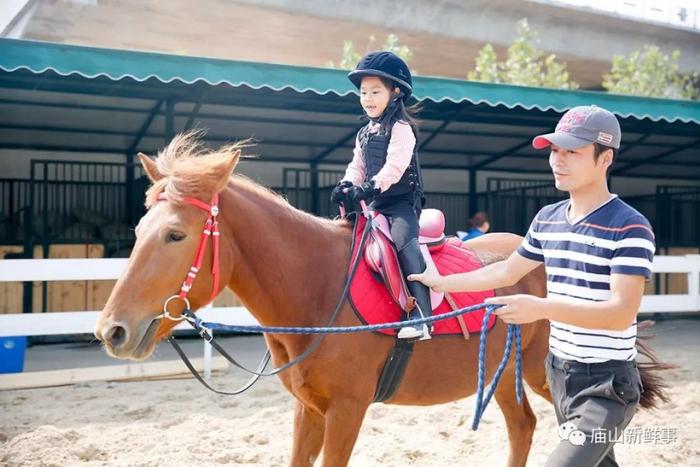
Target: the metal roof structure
pixel 65 98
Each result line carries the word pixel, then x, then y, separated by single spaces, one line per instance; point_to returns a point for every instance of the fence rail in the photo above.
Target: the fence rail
pixel 39 324
pixel 83 322
pixel 36 324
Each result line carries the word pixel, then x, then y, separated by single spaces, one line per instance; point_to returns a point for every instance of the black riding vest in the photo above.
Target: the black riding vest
pixel 374 152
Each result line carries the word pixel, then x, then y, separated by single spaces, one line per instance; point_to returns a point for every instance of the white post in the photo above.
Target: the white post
pixel 207 359
pixel 694 280
pixel 207 352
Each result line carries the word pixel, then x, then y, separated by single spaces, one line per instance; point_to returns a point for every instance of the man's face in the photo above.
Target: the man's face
pixel 577 169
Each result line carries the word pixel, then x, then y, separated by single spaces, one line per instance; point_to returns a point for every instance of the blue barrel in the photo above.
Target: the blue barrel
pixel 12 354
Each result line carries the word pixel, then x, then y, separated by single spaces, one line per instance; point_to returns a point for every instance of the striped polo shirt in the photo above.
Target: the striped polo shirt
pixel 579 259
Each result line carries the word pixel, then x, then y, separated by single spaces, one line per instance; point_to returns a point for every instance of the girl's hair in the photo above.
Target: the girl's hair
pixel 401 111
pixel 478 219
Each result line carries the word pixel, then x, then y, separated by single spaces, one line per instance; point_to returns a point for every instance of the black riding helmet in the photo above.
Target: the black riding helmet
pixel 386 65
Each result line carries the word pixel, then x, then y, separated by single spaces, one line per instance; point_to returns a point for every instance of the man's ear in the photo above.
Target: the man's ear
pixel 608 157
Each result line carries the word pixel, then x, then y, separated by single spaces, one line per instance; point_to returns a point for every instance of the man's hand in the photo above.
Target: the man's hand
pixel 430 277
pixel 519 309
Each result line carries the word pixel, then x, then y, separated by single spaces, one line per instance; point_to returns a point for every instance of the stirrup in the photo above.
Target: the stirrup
pixel 410 332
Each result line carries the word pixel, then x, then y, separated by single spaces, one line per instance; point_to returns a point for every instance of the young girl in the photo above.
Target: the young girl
pixel 385 169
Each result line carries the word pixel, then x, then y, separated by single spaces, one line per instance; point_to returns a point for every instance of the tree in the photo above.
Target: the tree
pixel 525 64
pixel 351 57
pixel 651 73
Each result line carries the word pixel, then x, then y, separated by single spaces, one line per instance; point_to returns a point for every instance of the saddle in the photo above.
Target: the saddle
pixel 379 293
pixel 381 256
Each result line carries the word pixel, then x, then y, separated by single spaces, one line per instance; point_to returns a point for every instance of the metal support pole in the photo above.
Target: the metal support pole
pixel 130 188
pixel 473 205
pixel 169 120
pixel 313 186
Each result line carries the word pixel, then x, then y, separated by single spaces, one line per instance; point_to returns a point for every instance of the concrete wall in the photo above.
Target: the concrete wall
pixel 572 33
pixel 445 36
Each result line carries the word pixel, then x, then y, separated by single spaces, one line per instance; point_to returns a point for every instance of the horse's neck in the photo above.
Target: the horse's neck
pixel 287 267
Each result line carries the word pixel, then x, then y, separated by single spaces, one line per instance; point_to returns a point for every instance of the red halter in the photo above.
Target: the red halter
pixel 211 229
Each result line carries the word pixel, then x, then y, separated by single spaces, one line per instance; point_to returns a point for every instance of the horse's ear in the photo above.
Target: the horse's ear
pixel 150 167
pixel 224 170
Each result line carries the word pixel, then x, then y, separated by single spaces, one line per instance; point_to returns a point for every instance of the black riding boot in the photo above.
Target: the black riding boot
pixel 412 262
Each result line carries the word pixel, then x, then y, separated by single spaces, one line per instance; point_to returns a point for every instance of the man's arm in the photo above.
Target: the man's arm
pixel 494 276
pixel 615 314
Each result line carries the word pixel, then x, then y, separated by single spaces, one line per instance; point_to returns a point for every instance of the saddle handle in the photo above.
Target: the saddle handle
pixel 363 205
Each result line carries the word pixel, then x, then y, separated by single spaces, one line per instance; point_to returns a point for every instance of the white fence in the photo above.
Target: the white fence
pixel 669 303
pixel 35 324
pixel 83 322
pixel 39 324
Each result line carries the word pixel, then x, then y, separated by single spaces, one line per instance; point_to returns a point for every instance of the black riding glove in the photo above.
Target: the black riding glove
pixel 338 195
pixel 364 192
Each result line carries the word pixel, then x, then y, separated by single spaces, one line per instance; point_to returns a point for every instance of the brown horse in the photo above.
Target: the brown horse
pixel 287 267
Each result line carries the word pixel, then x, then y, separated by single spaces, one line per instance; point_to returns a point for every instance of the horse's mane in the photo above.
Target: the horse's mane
pixel 189 169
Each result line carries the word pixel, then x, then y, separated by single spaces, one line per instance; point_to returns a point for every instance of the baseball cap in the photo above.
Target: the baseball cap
pixel 581 126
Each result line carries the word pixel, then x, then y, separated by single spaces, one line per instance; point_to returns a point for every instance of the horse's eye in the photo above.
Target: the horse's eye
pixel 175 236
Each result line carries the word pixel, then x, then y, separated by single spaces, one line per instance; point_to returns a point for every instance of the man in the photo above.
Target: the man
pixel 597 252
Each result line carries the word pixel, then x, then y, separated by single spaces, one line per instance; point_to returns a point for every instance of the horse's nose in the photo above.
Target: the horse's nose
pixel 115 336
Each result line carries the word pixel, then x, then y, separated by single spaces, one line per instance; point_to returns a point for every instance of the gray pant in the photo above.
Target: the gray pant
pixel 598 401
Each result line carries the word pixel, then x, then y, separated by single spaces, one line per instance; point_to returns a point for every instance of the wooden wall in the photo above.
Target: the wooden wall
pixel 70 295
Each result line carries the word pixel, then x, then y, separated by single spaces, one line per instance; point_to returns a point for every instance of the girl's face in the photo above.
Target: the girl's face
pixel 374 96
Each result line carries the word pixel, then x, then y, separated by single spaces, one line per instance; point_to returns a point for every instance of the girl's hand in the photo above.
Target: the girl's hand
pixel 364 192
pixel 430 277
pixel 339 194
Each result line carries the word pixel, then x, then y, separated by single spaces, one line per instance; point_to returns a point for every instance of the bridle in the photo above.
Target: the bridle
pixel 210 230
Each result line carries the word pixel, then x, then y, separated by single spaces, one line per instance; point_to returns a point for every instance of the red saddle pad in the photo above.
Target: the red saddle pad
pixel 373 305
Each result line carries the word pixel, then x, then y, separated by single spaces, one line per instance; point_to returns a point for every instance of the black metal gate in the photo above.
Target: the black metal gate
pixel 81 202
pixel 512 203
pixel 310 190
pixel 677 216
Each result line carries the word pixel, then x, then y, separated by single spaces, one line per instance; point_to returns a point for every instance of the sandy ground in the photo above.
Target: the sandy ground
pixel 177 422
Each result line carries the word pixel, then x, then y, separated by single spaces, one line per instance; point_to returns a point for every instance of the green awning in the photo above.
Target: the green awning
pixel 57 98
pixel 90 62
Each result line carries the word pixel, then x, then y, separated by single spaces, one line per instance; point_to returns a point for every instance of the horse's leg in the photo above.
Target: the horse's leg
pixel 534 357
pixel 520 420
pixel 343 421
pixel 308 435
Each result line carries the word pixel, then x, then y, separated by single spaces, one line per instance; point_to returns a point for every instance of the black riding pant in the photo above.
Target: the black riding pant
pixel 403 214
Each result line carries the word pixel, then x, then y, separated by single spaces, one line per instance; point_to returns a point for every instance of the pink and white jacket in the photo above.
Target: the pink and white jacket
pixel 398 157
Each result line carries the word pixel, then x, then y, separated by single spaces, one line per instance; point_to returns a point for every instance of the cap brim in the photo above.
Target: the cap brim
pixel 563 140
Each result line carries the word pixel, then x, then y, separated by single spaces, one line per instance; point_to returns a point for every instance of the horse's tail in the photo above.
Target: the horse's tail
pixel 654 385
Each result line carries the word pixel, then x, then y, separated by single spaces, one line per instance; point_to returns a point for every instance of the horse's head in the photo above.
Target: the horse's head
pixel 167 240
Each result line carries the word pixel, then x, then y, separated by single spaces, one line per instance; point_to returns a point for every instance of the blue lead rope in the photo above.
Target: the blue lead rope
pixel 481 401
pixel 205 329
pixel 198 323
